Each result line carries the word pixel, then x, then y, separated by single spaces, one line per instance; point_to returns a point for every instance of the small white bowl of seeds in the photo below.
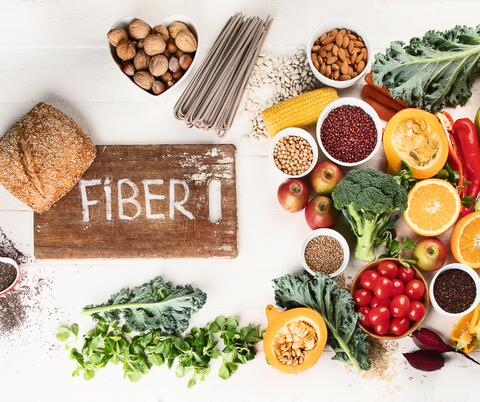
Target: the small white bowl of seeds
pixel 326 251
pixel 293 152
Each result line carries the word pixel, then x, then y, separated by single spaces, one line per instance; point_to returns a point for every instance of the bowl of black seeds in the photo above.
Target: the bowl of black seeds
pixel 455 290
pixel 326 251
pixel 9 274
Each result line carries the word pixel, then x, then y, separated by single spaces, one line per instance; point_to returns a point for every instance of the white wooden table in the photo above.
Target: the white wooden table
pixel 56 52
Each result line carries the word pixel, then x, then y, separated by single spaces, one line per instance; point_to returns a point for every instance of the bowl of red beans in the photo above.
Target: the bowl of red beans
pixel 349 132
pixel 393 299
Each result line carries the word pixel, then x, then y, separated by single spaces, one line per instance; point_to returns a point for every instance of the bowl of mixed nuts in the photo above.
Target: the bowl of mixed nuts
pixel 293 152
pixel 158 59
pixel 339 53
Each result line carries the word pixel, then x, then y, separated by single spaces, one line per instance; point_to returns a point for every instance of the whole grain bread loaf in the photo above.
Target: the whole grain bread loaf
pixel 43 156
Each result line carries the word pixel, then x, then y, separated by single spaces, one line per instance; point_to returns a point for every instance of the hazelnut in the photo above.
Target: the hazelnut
pixel 128 68
pixel 185 61
pixel 173 65
pixel 158 65
pixel 186 41
pixel 171 46
pixel 140 44
pixel 176 27
pixel 116 35
pixel 138 29
pixel 126 49
pixel 154 44
pixel 177 75
pixel 167 54
pixel 167 77
pixel 179 53
pixel 144 79
pixel 162 31
pixel 141 60
pixel 158 87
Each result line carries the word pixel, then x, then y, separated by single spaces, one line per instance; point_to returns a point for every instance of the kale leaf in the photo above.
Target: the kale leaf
pixel 431 72
pixel 156 305
pixel 322 294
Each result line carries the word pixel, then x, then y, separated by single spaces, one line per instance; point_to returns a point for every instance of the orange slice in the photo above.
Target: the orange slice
pixel 465 240
pixel 433 207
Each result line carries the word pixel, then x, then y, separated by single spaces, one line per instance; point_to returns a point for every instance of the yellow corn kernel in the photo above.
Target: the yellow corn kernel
pixel 300 111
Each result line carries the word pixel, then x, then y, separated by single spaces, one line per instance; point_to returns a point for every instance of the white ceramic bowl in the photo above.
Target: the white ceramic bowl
pixel 326 232
pixel 327 26
pixel 475 278
pixel 17 279
pixel 294 131
pixel 354 102
pixel 176 89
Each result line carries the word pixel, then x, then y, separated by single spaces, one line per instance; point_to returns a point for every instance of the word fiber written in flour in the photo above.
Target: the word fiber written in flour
pixel 132 200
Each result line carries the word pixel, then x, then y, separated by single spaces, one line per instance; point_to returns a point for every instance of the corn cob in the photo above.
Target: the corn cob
pixel 300 111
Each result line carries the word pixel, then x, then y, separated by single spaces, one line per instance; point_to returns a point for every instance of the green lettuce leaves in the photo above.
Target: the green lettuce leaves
pixel 156 305
pixel 322 294
pixel 431 72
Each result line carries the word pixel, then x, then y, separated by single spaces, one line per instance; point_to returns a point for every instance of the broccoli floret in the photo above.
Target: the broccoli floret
pixel 368 198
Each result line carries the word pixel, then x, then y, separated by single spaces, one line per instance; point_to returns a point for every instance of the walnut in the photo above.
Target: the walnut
pixel 141 60
pixel 162 31
pixel 138 29
pixel 154 44
pixel 186 41
pixel 144 79
pixel 158 65
pixel 175 27
pixel 116 35
pixel 126 49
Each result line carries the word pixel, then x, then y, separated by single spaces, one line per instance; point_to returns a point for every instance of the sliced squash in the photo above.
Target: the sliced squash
pixel 418 138
pixel 294 339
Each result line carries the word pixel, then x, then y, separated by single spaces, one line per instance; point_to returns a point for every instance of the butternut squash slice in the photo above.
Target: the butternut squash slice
pixel 294 339
pixel 418 138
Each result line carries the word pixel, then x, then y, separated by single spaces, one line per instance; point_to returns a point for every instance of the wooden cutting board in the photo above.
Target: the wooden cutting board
pixel 145 201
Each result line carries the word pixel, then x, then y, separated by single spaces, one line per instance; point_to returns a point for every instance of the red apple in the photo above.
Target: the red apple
pixel 293 195
pixel 320 213
pixel 325 176
pixel 430 254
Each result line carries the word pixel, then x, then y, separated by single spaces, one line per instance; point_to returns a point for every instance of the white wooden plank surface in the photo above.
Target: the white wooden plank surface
pixel 56 51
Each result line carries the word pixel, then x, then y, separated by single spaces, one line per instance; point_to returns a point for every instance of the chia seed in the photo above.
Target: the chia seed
pixel 324 254
pixel 8 274
pixel 454 291
pixel 348 134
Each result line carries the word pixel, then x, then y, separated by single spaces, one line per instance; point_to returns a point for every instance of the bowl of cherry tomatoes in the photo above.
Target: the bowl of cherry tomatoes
pixel 393 299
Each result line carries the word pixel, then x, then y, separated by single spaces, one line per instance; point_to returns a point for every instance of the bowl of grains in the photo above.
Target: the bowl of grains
pixel 455 290
pixel 9 274
pixel 349 132
pixel 339 53
pixel 293 152
pixel 326 251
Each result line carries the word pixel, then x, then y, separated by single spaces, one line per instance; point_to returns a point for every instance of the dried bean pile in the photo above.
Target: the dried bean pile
pixel 293 155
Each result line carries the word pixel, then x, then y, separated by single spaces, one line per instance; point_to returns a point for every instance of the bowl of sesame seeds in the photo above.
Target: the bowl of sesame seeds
pixel 325 250
pixel 293 152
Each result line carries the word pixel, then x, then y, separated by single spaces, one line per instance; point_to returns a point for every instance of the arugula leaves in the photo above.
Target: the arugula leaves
pixel 431 72
pixel 156 305
pixel 322 294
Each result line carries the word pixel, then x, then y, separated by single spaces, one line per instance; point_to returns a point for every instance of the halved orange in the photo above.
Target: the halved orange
pixel 465 240
pixel 433 207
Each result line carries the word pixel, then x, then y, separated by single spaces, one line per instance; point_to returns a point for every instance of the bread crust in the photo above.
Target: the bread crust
pixel 43 156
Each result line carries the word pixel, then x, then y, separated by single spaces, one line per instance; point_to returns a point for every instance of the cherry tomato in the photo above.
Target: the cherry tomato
pixel 365 310
pixel 416 310
pixel 399 325
pixel 382 329
pixel 405 274
pixel 379 315
pixel 415 289
pixel 388 269
pixel 383 288
pixel 398 288
pixel 362 297
pixel 399 306
pixel 379 302
pixel 368 279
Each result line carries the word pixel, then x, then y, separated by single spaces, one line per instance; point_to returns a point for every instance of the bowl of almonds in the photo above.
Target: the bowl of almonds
pixel 339 53
pixel 158 59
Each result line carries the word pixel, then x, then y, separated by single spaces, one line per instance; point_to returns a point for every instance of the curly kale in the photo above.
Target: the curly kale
pixel 368 198
pixel 156 305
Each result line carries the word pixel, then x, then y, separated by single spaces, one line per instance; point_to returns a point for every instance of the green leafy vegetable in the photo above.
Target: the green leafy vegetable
pixel 64 334
pixel 322 294
pixel 395 247
pixel 155 305
pixel 431 72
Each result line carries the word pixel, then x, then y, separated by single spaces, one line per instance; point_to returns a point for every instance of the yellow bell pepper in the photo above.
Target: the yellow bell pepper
pixel 474 327
pixel 461 335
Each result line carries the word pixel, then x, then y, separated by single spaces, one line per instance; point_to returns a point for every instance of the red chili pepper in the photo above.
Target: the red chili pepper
pixel 467 134
pixel 455 156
